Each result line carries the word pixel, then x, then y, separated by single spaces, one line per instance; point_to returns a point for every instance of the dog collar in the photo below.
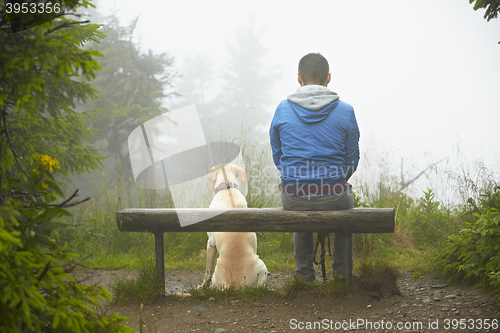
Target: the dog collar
pixel 224 186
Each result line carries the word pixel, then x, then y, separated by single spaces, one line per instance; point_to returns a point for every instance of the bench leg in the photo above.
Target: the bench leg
pixel 160 259
pixel 348 259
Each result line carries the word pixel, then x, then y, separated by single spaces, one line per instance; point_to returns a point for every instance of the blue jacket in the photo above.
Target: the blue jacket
pixel 314 139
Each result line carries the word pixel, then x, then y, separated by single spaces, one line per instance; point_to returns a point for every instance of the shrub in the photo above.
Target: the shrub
pixel 430 223
pixel 473 254
pixel 37 292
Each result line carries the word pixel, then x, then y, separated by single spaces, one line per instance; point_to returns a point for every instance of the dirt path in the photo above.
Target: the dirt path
pixel 425 304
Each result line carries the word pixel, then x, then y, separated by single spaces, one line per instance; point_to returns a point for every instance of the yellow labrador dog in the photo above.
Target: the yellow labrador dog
pixel 238 263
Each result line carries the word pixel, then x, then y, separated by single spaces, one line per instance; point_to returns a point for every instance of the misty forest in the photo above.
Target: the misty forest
pixel 72 91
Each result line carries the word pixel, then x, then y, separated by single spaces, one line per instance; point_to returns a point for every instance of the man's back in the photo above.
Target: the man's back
pixel 314 137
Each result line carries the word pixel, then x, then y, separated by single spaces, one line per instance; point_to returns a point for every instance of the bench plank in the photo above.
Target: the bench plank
pixel 355 220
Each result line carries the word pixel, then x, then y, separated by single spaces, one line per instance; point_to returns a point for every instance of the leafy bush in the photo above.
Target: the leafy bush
pixel 473 254
pixel 429 222
pixel 37 292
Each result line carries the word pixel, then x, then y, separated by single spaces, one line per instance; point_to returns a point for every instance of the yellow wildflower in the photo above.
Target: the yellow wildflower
pixel 48 161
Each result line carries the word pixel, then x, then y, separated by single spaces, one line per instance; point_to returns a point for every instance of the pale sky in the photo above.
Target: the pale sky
pixel 423 76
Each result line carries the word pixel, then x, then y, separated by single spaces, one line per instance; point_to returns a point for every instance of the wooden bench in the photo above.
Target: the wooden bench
pixel 158 221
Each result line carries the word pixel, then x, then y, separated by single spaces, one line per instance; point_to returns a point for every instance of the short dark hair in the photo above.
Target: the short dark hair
pixel 313 68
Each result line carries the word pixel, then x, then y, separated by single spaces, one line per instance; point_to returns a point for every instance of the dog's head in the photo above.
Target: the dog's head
pixel 225 173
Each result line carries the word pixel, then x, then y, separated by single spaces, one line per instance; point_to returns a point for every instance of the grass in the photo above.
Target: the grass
pixel 373 275
pixel 143 288
pixel 247 293
pixel 331 288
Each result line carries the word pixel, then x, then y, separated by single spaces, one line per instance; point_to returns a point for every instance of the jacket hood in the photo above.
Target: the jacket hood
pixel 313 103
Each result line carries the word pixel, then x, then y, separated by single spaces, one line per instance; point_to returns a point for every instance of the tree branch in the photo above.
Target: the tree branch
pixel 4 113
pixel 66 203
pixel 406 184
pixel 29 24
pixel 72 267
pixel 65 25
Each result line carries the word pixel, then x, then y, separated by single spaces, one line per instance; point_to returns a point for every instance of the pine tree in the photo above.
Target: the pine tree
pixel 130 88
pixel 44 73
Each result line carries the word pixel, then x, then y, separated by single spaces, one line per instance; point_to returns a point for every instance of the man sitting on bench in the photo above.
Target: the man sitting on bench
pixel 314 139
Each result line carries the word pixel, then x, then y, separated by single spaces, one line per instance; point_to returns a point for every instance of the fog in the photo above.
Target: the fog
pixel 423 76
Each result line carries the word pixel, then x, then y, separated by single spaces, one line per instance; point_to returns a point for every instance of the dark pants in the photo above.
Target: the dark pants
pixel 304 241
